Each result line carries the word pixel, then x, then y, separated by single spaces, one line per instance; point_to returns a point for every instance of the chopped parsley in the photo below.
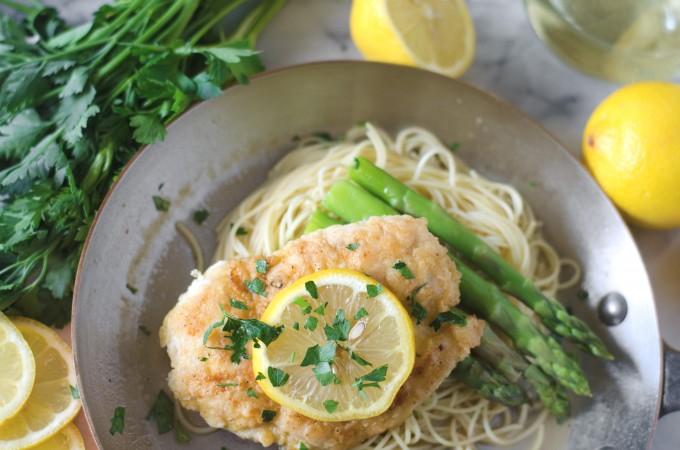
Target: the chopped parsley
pixel 317 354
pixel 321 310
pixel 359 360
pixel 303 446
pixel 361 313
pixel 261 265
pixel 277 377
pixel 237 304
pixel 292 357
pixel 251 393
pixel 75 393
pixel 200 216
pixel 451 316
pixel 256 286
pixel 403 269
pixel 323 135
pixel 330 405
pixel 311 323
pixel 455 145
pixel 353 246
pixel 373 290
pixel 260 376
pixel 162 412
pixel 324 374
pixel 227 384
pixel 240 231
pixel 371 379
pixel 339 331
pixel 118 421
pixel 296 326
pixel 145 331
pixel 131 288
pixel 181 434
pixel 204 359
pixel 161 203
pixel 417 310
pixel 304 304
pixel 240 331
pixel 582 294
pixel 268 415
pixel 310 286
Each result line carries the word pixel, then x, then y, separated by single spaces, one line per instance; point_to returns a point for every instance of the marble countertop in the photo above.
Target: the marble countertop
pixel 512 63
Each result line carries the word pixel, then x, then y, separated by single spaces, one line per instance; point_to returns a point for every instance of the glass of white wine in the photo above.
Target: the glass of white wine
pixel 617 40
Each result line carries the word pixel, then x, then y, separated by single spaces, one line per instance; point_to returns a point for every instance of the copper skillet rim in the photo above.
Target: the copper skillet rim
pixel 272 72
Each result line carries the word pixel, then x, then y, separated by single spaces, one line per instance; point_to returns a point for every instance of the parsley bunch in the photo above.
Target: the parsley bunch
pixel 75 105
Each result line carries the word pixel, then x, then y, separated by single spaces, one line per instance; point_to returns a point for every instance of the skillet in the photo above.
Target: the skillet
pixel 135 263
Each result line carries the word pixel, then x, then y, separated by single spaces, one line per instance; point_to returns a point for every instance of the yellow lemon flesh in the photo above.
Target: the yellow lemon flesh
pixel 436 35
pixel 68 438
pixel 50 406
pixel 18 369
pixel 631 145
pixel 346 353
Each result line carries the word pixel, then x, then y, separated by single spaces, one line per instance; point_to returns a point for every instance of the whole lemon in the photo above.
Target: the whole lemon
pixel 631 145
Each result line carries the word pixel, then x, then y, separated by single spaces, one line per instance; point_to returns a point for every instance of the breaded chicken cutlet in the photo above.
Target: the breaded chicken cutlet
pixel 381 242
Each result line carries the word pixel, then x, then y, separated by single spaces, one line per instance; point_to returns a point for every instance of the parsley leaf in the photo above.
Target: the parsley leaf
pixel 200 216
pixel 268 415
pixel 75 393
pixel 311 323
pixel 403 269
pixel 161 203
pixel 162 412
pixel 240 231
pixel 227 384
pixel 331 405
pixel 321 309
pixel 317 354
pixel 310 286
pixel 131 288
pixel 356 358
pixel 361 313
pixel 296 326
pixel 417 310
pixel 251 393
pixel 324 374
pixel 260 376
pixel 145 331
pixel 371 379
pixel 353 246
pixel 303 304
pixel 303 446
pixel 257 286
pixel 277 377
pixel 181 434
pixel 451 316
pixel 261 265
pixel 237 304
pixel 339 331
pixel 118 421
pixel 240 331
pixel 373 290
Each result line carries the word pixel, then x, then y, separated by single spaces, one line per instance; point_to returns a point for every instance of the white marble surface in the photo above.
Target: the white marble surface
pixel 511 63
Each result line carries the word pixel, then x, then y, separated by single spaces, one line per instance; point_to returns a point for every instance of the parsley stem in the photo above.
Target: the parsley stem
pixel 253 25
pixel 215 19
pixel 18 6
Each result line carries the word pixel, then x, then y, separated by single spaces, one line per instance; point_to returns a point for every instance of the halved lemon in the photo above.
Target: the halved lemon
pixel 51 404
pixel 68 438
pixel 346 349
pixel 18 369
pixel 437 35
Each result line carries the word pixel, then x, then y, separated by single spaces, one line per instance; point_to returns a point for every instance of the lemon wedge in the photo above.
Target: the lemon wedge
pixel 346 349
pixel 436 35
pixel 50 406
pixel 68 438
pixel 18 369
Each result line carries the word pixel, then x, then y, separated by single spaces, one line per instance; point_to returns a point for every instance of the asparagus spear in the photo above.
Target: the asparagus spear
pixel 404 199
pixel 495 352
pixel 489 384
pixel 353 204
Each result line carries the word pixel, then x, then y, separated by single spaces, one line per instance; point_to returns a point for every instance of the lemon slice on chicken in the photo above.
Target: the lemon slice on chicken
pixel 346 349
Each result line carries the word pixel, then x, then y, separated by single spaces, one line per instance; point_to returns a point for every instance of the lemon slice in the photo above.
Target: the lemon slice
pixel 437 35
pixel 69 438
pixel 343 355
pixel 18 369
pixel 51 404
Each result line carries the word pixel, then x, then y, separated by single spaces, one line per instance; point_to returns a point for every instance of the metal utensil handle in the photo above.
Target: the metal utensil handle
pixel 670 398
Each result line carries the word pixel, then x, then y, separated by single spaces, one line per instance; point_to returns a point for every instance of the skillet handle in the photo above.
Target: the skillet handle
pixel 670 398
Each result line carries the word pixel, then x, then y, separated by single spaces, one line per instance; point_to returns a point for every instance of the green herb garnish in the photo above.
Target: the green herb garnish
pixel 455 145
pixel 144 330
pixel 371 379
pixel 200 216
pixel 162 412
pixel 359 360
pixel 450 316
pixel 373 290
pixel 311 323
pixel 324 374
pixel 403 269
pixel 257 286
pixel 317 354
pixel 204 359
pixel 261 265
pixel 251 393
pixel 181 434
pixel 237 304
pixel 330 405
pixel 304 304
pixel 321 309
pixel 353 246
pixel 118 421
pixel 302 446
pixel 296 326
pixel 260 376
pixel 361 313
pixel 310 286
pixel 240 231
pixel 339 331
pixel 268 415
pixel 417 310
pixel 75 393
pixel 227 384
pixel 277 377
pixel 161 203
pixel 131 288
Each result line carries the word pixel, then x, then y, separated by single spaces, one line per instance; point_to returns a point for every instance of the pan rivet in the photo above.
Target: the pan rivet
pixel 613 309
